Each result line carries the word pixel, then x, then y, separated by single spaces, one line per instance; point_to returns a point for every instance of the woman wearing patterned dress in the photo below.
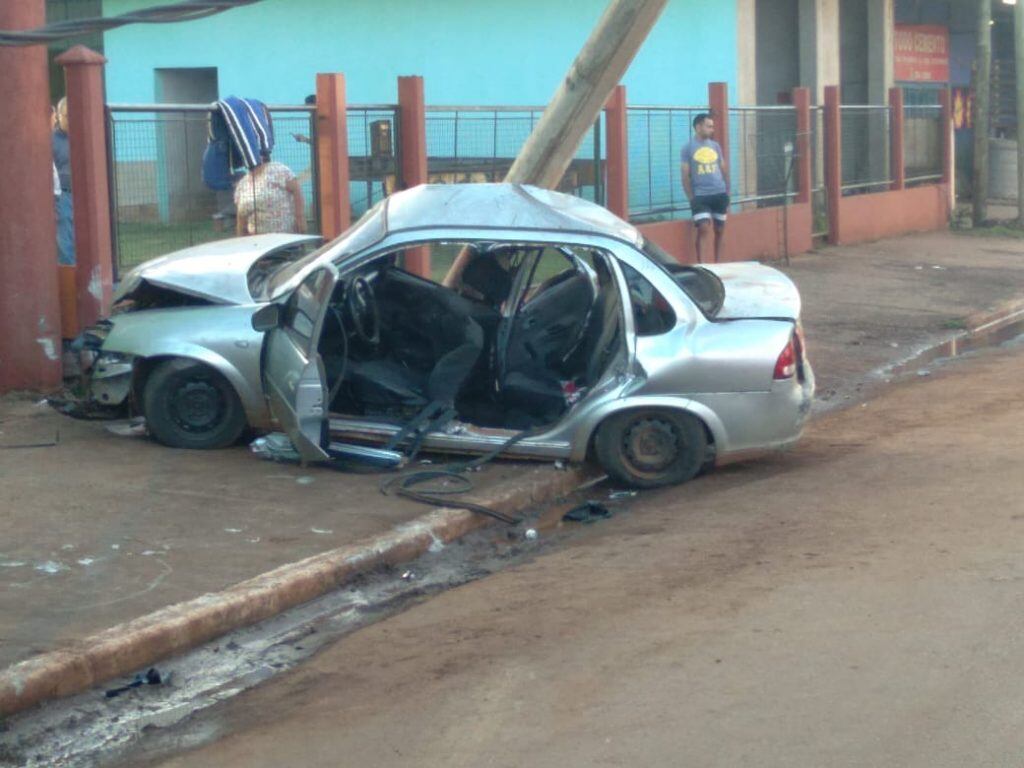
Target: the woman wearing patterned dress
pixel 269 199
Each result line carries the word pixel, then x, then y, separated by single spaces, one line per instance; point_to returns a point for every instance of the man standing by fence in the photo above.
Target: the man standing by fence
pixel 706 181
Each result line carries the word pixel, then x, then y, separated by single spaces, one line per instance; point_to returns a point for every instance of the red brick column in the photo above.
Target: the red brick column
pixel 617 147
pixel 718 101
pixel 87 137
pixel 29 308
pixel 897 119
pixel 833 161
pixel 801 99
pixel 332 155
pixel 412 134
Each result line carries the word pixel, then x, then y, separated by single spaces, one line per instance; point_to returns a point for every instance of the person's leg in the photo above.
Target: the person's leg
pixel 719 238
pixel 65 230
pixel 702 231
pixel 719 212
pixel 701 220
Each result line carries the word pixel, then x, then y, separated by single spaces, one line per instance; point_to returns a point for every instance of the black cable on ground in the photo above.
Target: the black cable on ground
pixel 186 10
pixel 404 484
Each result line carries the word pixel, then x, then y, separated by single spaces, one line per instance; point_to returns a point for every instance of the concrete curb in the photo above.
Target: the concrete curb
pixel 127 647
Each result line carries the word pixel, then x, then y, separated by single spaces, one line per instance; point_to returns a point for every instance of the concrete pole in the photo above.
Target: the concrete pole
pixel 332 154
pixel 1018 48
pixel 982 77
pixel 29 304
pixel 598 68
pixel 87 139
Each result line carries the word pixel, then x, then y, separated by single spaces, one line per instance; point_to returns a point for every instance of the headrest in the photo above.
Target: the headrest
pixel 485 275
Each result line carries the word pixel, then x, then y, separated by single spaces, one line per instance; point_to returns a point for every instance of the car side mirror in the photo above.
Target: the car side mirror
pixel 267 318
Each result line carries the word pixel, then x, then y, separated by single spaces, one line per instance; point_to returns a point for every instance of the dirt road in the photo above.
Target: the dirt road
pixel 856 602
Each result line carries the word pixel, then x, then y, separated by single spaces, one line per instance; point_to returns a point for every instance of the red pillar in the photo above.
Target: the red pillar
pixel 412 134
pixel 718 101
pixel 897 166
pixel 87 137
pixel 801 100
pixel 29 306
pixel 332 155
pixel 617 145
pixel 833 161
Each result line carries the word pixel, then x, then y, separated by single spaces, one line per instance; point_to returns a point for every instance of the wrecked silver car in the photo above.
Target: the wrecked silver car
pixel 179 347
pixel 550 329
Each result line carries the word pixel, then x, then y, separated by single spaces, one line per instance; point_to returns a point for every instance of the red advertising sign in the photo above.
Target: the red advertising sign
pixel 921 54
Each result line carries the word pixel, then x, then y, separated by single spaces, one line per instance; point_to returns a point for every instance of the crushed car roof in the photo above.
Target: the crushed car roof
pixel 500 206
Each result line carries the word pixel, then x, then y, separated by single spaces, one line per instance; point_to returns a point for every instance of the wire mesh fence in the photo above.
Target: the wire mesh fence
pixel 159 202
pixel 865 153
pixel 479 144
pixel 762 142
pixel 763 153
pixel 819 200
pixel 657 136
pixel 373 149
pixel 922 143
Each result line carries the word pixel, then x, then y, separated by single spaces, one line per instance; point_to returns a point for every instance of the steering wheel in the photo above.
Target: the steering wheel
pixel 361 303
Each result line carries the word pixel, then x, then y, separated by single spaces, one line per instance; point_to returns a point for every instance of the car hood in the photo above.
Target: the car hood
pixel 753 290
pixel 216 271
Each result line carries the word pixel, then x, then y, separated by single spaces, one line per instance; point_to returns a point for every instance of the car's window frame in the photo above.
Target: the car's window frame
pixel 654 254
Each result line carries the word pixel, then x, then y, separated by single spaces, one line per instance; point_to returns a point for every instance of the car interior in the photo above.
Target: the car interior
pixel 525 333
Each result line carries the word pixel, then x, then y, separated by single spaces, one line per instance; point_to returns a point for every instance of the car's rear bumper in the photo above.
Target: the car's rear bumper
pixel 755 421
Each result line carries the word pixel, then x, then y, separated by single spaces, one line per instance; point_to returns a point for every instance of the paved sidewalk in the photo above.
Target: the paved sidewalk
pixel 100 529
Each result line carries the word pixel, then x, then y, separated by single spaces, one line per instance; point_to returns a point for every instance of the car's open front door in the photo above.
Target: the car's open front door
pixel 293 373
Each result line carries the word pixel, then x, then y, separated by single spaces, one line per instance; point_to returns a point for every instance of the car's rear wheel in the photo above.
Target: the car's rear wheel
pixel 190 405
pixel 649 448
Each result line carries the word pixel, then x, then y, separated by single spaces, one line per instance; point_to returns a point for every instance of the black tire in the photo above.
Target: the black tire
pixel 649 448
pixel 190 405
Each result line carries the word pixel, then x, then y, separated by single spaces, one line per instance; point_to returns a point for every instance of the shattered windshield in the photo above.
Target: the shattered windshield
pixel 364 233
pixel 702 286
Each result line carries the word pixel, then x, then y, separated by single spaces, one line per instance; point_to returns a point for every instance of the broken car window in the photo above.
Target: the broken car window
pixel 702 286
pixel 652 314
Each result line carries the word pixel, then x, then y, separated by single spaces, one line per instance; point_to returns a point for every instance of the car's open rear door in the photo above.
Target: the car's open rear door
pixel 293 373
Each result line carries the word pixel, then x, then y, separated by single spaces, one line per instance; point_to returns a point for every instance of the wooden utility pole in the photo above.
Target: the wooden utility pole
pixel 598 68
pixel 593 75
pixel 1018 50
pixel 982 78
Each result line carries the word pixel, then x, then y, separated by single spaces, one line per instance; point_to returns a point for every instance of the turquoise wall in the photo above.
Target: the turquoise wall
pixel 469 52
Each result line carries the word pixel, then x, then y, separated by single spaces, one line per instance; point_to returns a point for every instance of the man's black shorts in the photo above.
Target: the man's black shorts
pixel 710 207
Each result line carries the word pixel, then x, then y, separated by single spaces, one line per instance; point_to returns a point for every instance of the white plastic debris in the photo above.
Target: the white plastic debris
pixel 304 480
pixel 531 534
pixel 274 447
pixel 321 530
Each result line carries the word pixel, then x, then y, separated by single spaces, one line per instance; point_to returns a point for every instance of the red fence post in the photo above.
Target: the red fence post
pixel 29 307
pixel 897 120
pixel 718 101
pixel 801 99
pixel 412 133
pixel 946 136
pixel 87 139
pixel 332 155
pixel 617 144
pixel 833 161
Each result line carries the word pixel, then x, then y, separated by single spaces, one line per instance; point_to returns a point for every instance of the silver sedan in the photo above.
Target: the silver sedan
pixel 466 319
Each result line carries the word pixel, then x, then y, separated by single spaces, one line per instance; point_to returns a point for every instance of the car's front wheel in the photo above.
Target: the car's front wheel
pixel 650 448
pixel 190 405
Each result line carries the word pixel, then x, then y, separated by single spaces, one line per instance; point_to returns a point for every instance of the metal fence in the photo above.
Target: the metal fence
pixel 865 153
pixel 922 143
pixel 819 200
pixel 158 200
pixel 763 145
pixel 657 136
pixel 479 144
pixel 373 154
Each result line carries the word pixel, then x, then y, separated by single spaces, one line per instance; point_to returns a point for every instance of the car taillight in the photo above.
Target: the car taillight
pixel 785 366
